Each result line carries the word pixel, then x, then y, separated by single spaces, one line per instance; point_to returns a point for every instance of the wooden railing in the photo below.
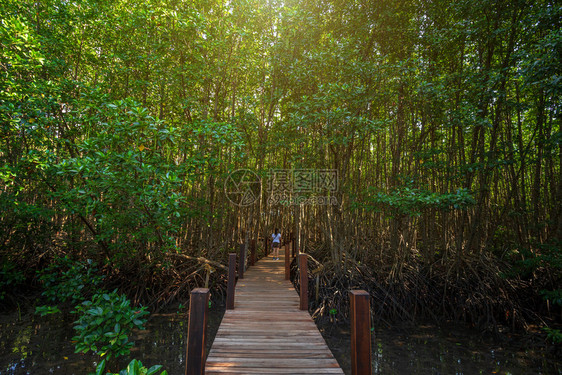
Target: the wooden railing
pixel 199 306
pixel 231 283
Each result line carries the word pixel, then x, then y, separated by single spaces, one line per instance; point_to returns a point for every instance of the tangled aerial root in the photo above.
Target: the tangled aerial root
pixel 472 291
pixel 161 285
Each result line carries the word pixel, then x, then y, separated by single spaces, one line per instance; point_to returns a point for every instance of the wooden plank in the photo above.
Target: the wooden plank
pixel 246 370
pixel 267 333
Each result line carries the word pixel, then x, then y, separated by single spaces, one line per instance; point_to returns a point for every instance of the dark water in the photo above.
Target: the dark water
pixel 42 345
pixel 30 344
pixel 452 350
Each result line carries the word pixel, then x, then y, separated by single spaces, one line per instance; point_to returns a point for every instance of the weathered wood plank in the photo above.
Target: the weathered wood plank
pixel 267 333
pixel 249 370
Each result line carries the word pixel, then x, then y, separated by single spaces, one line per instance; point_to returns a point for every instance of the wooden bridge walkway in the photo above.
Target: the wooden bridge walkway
pixel 266 333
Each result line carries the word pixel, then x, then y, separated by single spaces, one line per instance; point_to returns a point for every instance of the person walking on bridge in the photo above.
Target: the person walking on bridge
pixel 275 243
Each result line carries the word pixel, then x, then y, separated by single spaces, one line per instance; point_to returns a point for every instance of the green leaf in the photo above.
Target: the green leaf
pixel 100 367
pixel 134 368
pixel 153 370
pixel 138 322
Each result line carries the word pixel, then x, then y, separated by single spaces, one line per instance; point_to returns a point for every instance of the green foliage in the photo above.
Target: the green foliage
pixel 29 105
pixel 125 179
pixel 554 296
pixel 412 201
pixel 120 137
pixel 105 323
pixel 20 45
pixel 545 256
pixel 181 307
pixel 66 280
pixel 47 310
pixel 135 367
pixel 553 334
pixel 20 63
pixel 540 59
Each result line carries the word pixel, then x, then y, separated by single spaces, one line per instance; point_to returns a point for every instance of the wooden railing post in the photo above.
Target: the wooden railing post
pixel 197 326
pixel 252 252
pixel 360 332
pixel 293 247
pixel 231 281
pixel 242 262
pixel 303 281
pixel 287 263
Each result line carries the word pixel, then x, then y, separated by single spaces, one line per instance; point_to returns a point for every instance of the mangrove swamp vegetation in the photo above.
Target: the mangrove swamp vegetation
pixel 412 148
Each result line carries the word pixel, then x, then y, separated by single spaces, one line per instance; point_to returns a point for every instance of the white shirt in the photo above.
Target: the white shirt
pixel 276 238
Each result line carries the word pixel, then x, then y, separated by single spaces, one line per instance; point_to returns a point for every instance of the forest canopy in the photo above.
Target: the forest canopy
pixel 121 120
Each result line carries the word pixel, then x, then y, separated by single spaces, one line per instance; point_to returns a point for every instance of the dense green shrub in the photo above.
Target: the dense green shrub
pixel 135 367
pixel 105 323
pixel 67 281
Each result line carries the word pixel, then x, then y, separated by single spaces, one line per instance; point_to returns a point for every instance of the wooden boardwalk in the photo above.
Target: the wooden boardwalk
pixel 266 333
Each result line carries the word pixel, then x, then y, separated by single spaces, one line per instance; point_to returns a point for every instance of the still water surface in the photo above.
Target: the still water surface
pixel 433 350
pixel 30 344
pixel 42 345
